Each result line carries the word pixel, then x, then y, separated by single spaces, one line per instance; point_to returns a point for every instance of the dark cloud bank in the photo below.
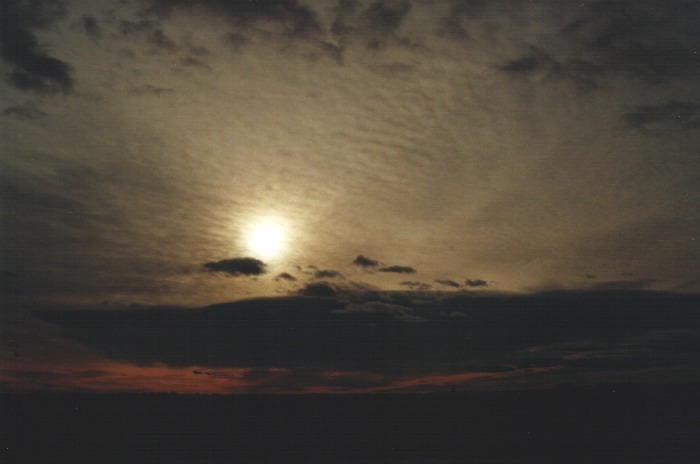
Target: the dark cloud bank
pixel 576 332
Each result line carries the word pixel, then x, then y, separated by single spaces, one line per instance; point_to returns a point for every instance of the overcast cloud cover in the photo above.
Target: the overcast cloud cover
pixel 465 146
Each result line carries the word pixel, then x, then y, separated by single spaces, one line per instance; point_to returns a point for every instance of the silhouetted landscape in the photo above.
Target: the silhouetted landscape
pixel 569 424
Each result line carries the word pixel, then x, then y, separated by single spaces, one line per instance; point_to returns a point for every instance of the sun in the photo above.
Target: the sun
pixel 266 238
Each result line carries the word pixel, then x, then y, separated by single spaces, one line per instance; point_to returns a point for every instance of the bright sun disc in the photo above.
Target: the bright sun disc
pixel 266 239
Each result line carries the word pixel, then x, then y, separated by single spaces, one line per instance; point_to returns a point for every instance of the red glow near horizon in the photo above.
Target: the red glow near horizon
pixel 124 377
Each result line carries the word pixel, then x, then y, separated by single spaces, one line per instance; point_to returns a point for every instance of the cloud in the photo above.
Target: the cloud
pixel 91 27
pixel 236 40
pixel 375 25
pixel 476 283
pixel 365 262
pixel 682 114
pixel 455 25
pixel 294 18
pixel 623 284
pixel 192 62
pixel 393 311
pixel 462 332
pixel 237 266
pixel 28 110
pixel 538 62
pixel 650 41
pixel 286 276
pixel 148 89
pixel 318 289
pixel 31 68
pixel 326 274
pixel 416 285
pixel 448 283
pixel 160 40
pixel 525 64
pixel 398 269
pixel 9 275
pixel 130 27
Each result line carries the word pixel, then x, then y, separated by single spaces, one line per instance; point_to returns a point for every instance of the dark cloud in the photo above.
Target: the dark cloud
pixel 236 40
pixel 650 41
pixel 295 19
pixel 580 331
pixel 198 50
pixel 623 284
pixel 198 372
pixel 365 262
pixel 286 276
pixel 318 289
pixel 398 269
pixel 31 68
pixel 160 40
pixel 524 65
pixel 689 286
pixel 390 310
pixel 8 275
pixel 192 62
pixel 455 25
pixel 374 26
pixel 416 285
pixel 148 89
pixel 682 114
pixel 448 283
pixel 393 69
pixel 654 41
pixel 326 274
pixel 581 73
pixel 132 27
pixel 91 27
pixel 238 266
pixel 384 17
pixel 27 110
pixel 265 380
pixel 476 283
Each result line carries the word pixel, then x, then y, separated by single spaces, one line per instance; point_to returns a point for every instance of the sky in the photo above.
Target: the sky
pixel 346 161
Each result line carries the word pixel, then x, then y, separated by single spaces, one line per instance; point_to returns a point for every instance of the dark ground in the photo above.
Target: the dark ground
pixel 611 424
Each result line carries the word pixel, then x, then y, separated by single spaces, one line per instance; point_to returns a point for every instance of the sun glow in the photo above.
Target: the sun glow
pixel 266 238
